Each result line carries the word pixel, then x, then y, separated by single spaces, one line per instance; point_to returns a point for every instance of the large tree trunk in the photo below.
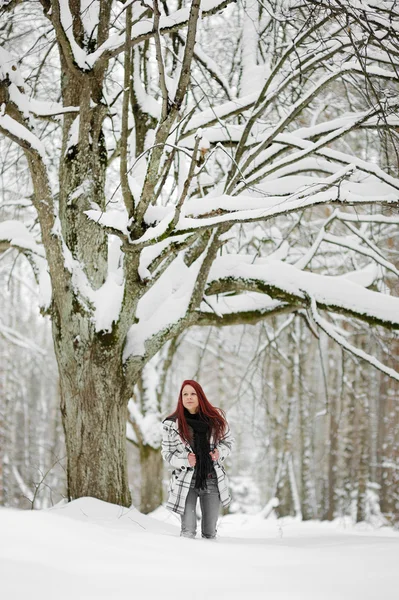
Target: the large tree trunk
pixel 151 478
pixel 94 413
pixel 92 382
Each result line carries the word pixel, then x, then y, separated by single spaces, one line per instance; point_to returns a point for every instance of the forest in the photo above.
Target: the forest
pixel 201 190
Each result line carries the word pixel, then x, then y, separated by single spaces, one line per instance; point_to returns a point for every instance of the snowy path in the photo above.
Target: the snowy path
pixel 91 550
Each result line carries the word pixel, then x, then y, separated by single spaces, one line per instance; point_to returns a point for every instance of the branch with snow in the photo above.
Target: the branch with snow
pixel 21 135
pixel 14 234
pixel 211 211
pixel 346 242
pixel 337 337
pixel 144 30
pixel 15 337
pixel 346 294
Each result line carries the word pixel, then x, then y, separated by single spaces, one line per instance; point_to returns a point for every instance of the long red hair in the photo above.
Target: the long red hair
pixel 214 416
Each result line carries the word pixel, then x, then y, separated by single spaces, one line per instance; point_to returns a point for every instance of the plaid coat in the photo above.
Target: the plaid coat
pixel 175 451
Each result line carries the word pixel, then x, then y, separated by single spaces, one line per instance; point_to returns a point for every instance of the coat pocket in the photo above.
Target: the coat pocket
pixel 174 480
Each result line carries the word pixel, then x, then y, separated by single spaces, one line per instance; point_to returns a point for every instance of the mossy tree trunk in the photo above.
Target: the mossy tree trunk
pixel 94 412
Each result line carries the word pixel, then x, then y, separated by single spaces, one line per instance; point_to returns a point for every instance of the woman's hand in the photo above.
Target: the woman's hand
pixel 192 460
pixel 215 455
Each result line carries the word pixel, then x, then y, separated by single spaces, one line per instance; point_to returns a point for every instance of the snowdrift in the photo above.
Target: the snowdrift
pixel 89 550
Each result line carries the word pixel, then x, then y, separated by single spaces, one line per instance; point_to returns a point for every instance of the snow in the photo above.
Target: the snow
pixel 340 339
pixel 45 290
pixel 147 423
pixel 90 550
pixel 340 291
pixel 116 219
pixel 288 193
pixel 105 302
pixel 250 301
pixel 73 135
pixel 348 242
pixel 108 301
pixel 19 236
pixel 329 153
pixel 89 12
pixel 156 231
pixel 147 103
pixel 346 120
pixel 164 305
pixel 37 107
pixel 258 73
pixel 246 208
pixel 143 28
pixel 222 132
pixel 253 75
pixel 150 253
pixel 9 69
pixel 211 65
pixel 213 114
pixel 79 54
pixel 16 338
pixel 20 132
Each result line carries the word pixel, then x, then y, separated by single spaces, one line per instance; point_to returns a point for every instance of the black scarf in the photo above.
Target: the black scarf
pixel 201 448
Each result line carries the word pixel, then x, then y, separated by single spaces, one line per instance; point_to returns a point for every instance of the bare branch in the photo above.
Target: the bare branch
pixel 161 66
pixel 337 337
pixel 126 193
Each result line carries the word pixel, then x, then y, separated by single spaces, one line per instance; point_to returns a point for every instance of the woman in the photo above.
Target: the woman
pixel 195 442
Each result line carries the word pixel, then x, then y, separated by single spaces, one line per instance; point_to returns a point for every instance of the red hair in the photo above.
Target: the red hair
pixel 212 415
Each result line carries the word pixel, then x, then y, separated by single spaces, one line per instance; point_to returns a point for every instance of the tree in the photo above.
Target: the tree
pixel 31 440
pixel 145 411
pixel 147 160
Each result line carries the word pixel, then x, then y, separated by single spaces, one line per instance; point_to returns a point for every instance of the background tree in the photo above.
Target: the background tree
pixel 32 465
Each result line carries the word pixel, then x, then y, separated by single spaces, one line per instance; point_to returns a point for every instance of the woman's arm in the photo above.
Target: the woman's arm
pixel 225 445
pixel 172 449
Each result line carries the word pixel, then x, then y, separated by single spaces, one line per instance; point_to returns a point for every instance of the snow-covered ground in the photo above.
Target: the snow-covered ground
pixel 90 550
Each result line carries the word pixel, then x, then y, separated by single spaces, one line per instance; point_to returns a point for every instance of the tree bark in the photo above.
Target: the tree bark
pixel 363 441
pixel 94 413
pixel 332 458
pixel 151 478
pixel 388 449
pixel 363 470
pixel 307 484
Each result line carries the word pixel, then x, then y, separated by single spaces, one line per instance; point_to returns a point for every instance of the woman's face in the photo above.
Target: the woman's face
pixel 190 399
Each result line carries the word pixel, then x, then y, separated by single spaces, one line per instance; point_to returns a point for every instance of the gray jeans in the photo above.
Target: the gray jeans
pixel 210 504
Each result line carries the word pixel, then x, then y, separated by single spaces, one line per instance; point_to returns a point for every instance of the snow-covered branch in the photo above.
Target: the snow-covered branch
pixel 15 337
pixel 346 294
pixel 337 337
pixel 144 30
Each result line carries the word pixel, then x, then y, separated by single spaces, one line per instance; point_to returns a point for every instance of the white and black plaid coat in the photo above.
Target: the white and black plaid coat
pixel 175 452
